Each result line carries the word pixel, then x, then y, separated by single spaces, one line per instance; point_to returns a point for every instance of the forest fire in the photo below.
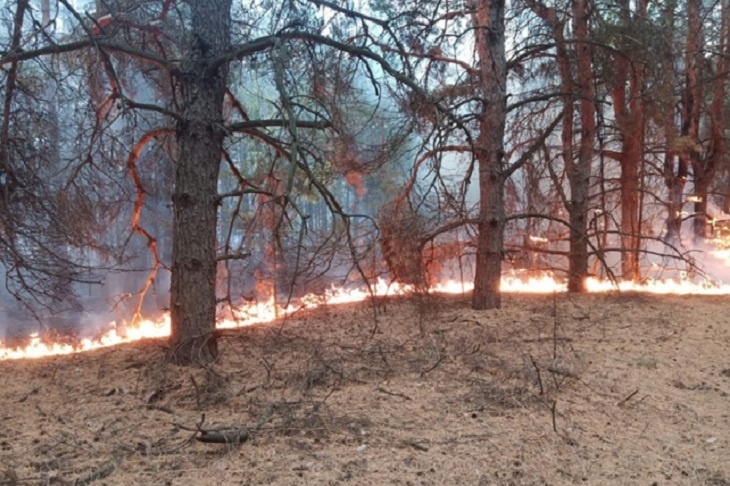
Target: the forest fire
pixel 263 312
pixel 722 248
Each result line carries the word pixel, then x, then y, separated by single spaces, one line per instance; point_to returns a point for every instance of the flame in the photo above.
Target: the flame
pixel 263 312
pixel 722 254
pixel 722 246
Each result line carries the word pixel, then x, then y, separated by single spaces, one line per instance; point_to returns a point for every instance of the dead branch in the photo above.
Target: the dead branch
pixel 395 394
pixel 539 375
pixel 250 124
pixel 269 367
pixel 433 367
pixel 416 445
pixel 197 393
pixel 27 395
pixel 100 473
pixel 229 436
pixel 629 397
pixel 562 372
pixel 137 213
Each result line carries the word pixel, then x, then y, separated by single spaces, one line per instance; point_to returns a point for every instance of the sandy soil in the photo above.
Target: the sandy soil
pixel 598 390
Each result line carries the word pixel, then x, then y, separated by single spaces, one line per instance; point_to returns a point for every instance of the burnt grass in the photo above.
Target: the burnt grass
pixel 552 389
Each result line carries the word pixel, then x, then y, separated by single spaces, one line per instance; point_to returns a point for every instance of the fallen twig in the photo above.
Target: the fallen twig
pixel 224 435
pixel 268 367
pixel 562 372
pixel 25 397
pixel 631 395
pixel 395 394
pixel 438 362
pixel 197 391
pixel 105 470
pixel 227 436
pixel 539 375
pixel 416 445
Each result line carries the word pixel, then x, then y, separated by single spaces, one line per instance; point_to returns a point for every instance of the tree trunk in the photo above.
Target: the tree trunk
pixel 699 222
pixel 692 103
pixel 630 231
pixel 489 151
pixel 629 111
pixel 629 117
pixel 200 140
pixel 705 173
pixel 579 171
pixel 675 182
pixel 10 85
pixel 631 160
pixel 675 168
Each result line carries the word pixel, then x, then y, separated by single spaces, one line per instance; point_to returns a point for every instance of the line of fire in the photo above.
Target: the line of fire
pixel 171 168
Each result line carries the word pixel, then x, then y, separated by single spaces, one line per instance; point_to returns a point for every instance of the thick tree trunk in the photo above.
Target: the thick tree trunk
pixel 489 31
pixel 630 215
pixel 491 238
pixel 579 172
pixel 200 139
pixel 629 110
pixel 629 116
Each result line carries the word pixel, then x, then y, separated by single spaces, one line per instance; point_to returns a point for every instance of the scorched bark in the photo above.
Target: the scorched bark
pixel 200 138
pixel 489 151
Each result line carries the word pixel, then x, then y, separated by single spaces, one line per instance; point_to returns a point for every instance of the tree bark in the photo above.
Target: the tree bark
pixel 675 170
pixel 692 103
pixel 701 190
pixel 629 111
pixel 200 138
pixel 489 152
pixel 10 85
pixel 579 171
pixel 718 124
pixel 629 118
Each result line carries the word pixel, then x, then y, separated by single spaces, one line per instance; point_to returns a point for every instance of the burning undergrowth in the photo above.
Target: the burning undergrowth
pixel 412 254
pixel 417 260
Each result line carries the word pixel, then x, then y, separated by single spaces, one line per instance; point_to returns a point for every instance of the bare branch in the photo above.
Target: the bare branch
pixel 247 125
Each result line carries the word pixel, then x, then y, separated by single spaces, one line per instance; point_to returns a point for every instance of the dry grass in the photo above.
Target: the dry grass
pixel 597 390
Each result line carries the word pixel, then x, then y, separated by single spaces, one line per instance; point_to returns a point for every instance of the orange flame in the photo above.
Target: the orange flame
pixel 263 312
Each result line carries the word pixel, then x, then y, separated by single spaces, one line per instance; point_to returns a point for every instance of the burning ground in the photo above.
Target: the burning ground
pixel 594 389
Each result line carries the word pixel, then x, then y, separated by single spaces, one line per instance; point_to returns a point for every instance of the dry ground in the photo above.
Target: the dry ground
pixel 597 389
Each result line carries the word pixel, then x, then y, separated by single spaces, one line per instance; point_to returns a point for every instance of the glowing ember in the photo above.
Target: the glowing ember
pixel 262 312
pixel 538 239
